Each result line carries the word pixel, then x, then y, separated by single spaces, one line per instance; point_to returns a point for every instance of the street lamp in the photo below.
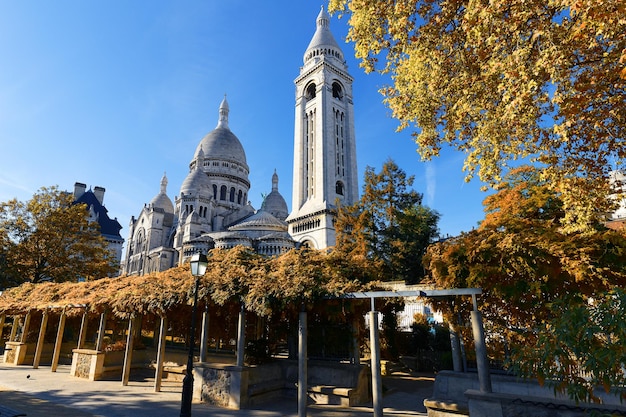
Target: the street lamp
pixel 198 264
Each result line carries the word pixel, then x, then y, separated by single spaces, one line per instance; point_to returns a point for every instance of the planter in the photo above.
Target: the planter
pixel 87 363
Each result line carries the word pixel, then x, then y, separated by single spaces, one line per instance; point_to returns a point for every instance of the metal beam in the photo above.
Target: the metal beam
pixel 414 293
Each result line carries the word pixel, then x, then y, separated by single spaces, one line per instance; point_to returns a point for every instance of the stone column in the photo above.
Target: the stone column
pixel 482 362
pixel 455 345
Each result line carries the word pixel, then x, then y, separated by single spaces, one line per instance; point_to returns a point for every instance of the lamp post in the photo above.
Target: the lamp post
pixel 198 264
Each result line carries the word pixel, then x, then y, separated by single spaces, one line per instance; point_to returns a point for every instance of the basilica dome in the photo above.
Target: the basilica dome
pixel 221 144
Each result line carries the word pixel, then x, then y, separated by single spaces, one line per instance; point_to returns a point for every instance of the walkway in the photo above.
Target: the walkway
pixel 42 393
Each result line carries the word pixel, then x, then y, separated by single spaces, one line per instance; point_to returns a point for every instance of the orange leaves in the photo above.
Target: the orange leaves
pixel 234 275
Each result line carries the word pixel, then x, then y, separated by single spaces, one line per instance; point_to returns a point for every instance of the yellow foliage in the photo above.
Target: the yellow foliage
pixel 501 81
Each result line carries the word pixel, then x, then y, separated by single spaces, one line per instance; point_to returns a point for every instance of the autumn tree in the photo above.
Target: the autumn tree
pixel 50 239
pixel 501 81
pixel 530 272
pixel 389 226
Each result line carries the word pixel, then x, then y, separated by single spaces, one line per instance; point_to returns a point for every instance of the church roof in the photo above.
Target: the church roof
pixel 323 37
pixel 221 143
pixel 260 220
pixel 108 227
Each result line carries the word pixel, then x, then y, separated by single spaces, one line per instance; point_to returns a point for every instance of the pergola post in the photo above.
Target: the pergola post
pixel 158 373
pixel 356 353
pixel 2 317
pixel 482 363
pixel 377 384
pixel 101 330
pixel 40 339
pixel 204 336
pixel 82 334
pixel 128 354
pixel 241 335
pixel 16 321
pixel 302 363
pixel 25 327
pixel 455 345
pixel 59 342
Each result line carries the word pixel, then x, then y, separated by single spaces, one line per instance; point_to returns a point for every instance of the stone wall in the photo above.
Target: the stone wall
pixel 457 393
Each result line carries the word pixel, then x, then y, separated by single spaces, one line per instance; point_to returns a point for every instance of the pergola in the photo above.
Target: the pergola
pixel 121 298
pixel 477 327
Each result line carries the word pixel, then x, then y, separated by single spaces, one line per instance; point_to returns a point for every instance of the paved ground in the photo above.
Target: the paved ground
pixel 42 393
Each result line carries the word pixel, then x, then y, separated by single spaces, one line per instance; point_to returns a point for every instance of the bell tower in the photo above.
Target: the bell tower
pixel 325 170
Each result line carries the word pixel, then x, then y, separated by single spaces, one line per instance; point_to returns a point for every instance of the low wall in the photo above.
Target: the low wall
pixel 18 353
pixel 456 393
pixel 237 387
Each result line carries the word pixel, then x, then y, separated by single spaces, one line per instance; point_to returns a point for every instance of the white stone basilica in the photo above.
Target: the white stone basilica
pixel 212 209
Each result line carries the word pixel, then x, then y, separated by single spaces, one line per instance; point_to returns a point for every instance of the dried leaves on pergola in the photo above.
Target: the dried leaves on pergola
pixel 234 275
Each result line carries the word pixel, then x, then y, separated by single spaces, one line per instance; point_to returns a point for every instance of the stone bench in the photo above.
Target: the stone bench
pixel 329 394
pixel 443 408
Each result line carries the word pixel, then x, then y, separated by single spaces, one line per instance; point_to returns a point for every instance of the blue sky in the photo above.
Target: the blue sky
pixel 115 93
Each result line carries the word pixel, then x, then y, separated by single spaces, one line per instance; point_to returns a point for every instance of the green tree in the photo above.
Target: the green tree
pixel 506 80
pixel 582 348
pixel 49 238
pixel 530 273
pixel 388 226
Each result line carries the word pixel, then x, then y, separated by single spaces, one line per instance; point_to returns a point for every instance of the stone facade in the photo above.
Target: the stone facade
pixel 212 208
pixel 324 166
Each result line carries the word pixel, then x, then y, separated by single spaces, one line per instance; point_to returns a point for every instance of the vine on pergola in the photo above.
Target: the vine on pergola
pixel 234 275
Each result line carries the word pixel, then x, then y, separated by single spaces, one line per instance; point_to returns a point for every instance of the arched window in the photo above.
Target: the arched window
pixel 214 192
pixel 337 91
pixel 223 191
pixel 339 188
pixel 310 91
pixel 239 197
pixel 232 194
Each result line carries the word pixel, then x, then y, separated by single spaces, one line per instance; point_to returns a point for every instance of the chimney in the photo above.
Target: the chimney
pixel 79 189
pixel 99 193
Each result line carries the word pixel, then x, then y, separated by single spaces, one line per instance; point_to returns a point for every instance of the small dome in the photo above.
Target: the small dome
pixel 197 182
pixel 274 203
pixel 161 200
pixel 260 220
